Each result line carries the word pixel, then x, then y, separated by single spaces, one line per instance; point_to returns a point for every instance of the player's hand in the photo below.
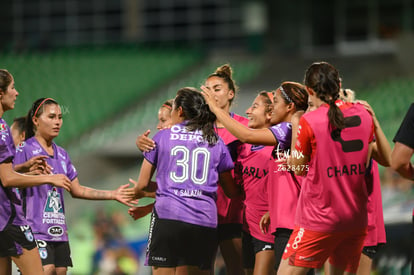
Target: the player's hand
pixel 367 107
pixel 209 97
pixel 126 197
pixel 370 111
pixel 264 223
pixel 144 143
pixel 36 165
pixel 60 180
pixel 140 211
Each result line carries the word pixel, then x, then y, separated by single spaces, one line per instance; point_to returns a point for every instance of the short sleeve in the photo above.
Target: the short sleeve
pixel 304 137
pixel 151 156
pixel 283 134
pixel 20 156
pixel 6 152
pixel 226 162
pixel 71 170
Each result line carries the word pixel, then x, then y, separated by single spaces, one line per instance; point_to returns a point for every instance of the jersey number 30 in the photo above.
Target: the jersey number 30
pixel 189 163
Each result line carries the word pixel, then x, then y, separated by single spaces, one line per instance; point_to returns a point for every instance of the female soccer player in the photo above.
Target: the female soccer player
pixel 375 237
pixel 34 166
pixel 44 205
pixel 190 160
pixel 376 229
pixel 222 85
pixel 16 237
pixel 331 217
pixel 251 170
pixel 145 144
pixel 230 219
pixel 283 186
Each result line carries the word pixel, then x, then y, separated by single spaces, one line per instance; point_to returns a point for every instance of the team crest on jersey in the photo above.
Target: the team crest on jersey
pixel 19 147
pixel 54 202
pixel 43 253
pixel 3 127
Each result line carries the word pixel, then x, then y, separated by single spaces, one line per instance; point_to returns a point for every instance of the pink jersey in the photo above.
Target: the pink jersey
pixel 230 210
pixel 376 228
pixel 334 192
pixel 283 193
pixel 283 186
pixel 251 171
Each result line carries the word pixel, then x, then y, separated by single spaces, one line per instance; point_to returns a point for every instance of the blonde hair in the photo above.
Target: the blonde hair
pixel 347 95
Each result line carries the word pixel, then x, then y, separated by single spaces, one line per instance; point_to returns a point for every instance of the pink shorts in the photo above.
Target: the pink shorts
pixel 311 249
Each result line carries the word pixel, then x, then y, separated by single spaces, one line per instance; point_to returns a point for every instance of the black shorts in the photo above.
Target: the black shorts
pixel 174 243
pixel 14 238
pixel 251 246
pixel 55 253
pixel 228 231
pixel 282 236
pixel 371 251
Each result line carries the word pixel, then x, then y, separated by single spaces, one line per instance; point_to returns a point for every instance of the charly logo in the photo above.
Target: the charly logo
pixel 37 151
pixel 298 238
pixel 267 247
pixel 158 259
pixel 53 203
pixel 55 231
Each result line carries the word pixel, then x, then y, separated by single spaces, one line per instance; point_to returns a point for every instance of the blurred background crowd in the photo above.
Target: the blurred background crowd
pixel 111 64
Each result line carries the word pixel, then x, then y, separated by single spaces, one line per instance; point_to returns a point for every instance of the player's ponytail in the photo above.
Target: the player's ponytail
pixel 324 80
pixel 197 113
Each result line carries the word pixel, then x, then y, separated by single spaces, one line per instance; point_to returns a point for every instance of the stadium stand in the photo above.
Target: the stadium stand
pixel 144 114
pixel 92 84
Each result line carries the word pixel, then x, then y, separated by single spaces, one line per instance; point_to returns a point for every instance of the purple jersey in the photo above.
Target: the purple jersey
pixel 7 196
pixel 43 204
pixel 283 135
pixel 187 175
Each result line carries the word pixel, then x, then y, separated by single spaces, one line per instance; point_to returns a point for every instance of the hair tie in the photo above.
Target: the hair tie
pixel 41 103
pixel 166 106
pixel 285 95
pixel 270 95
